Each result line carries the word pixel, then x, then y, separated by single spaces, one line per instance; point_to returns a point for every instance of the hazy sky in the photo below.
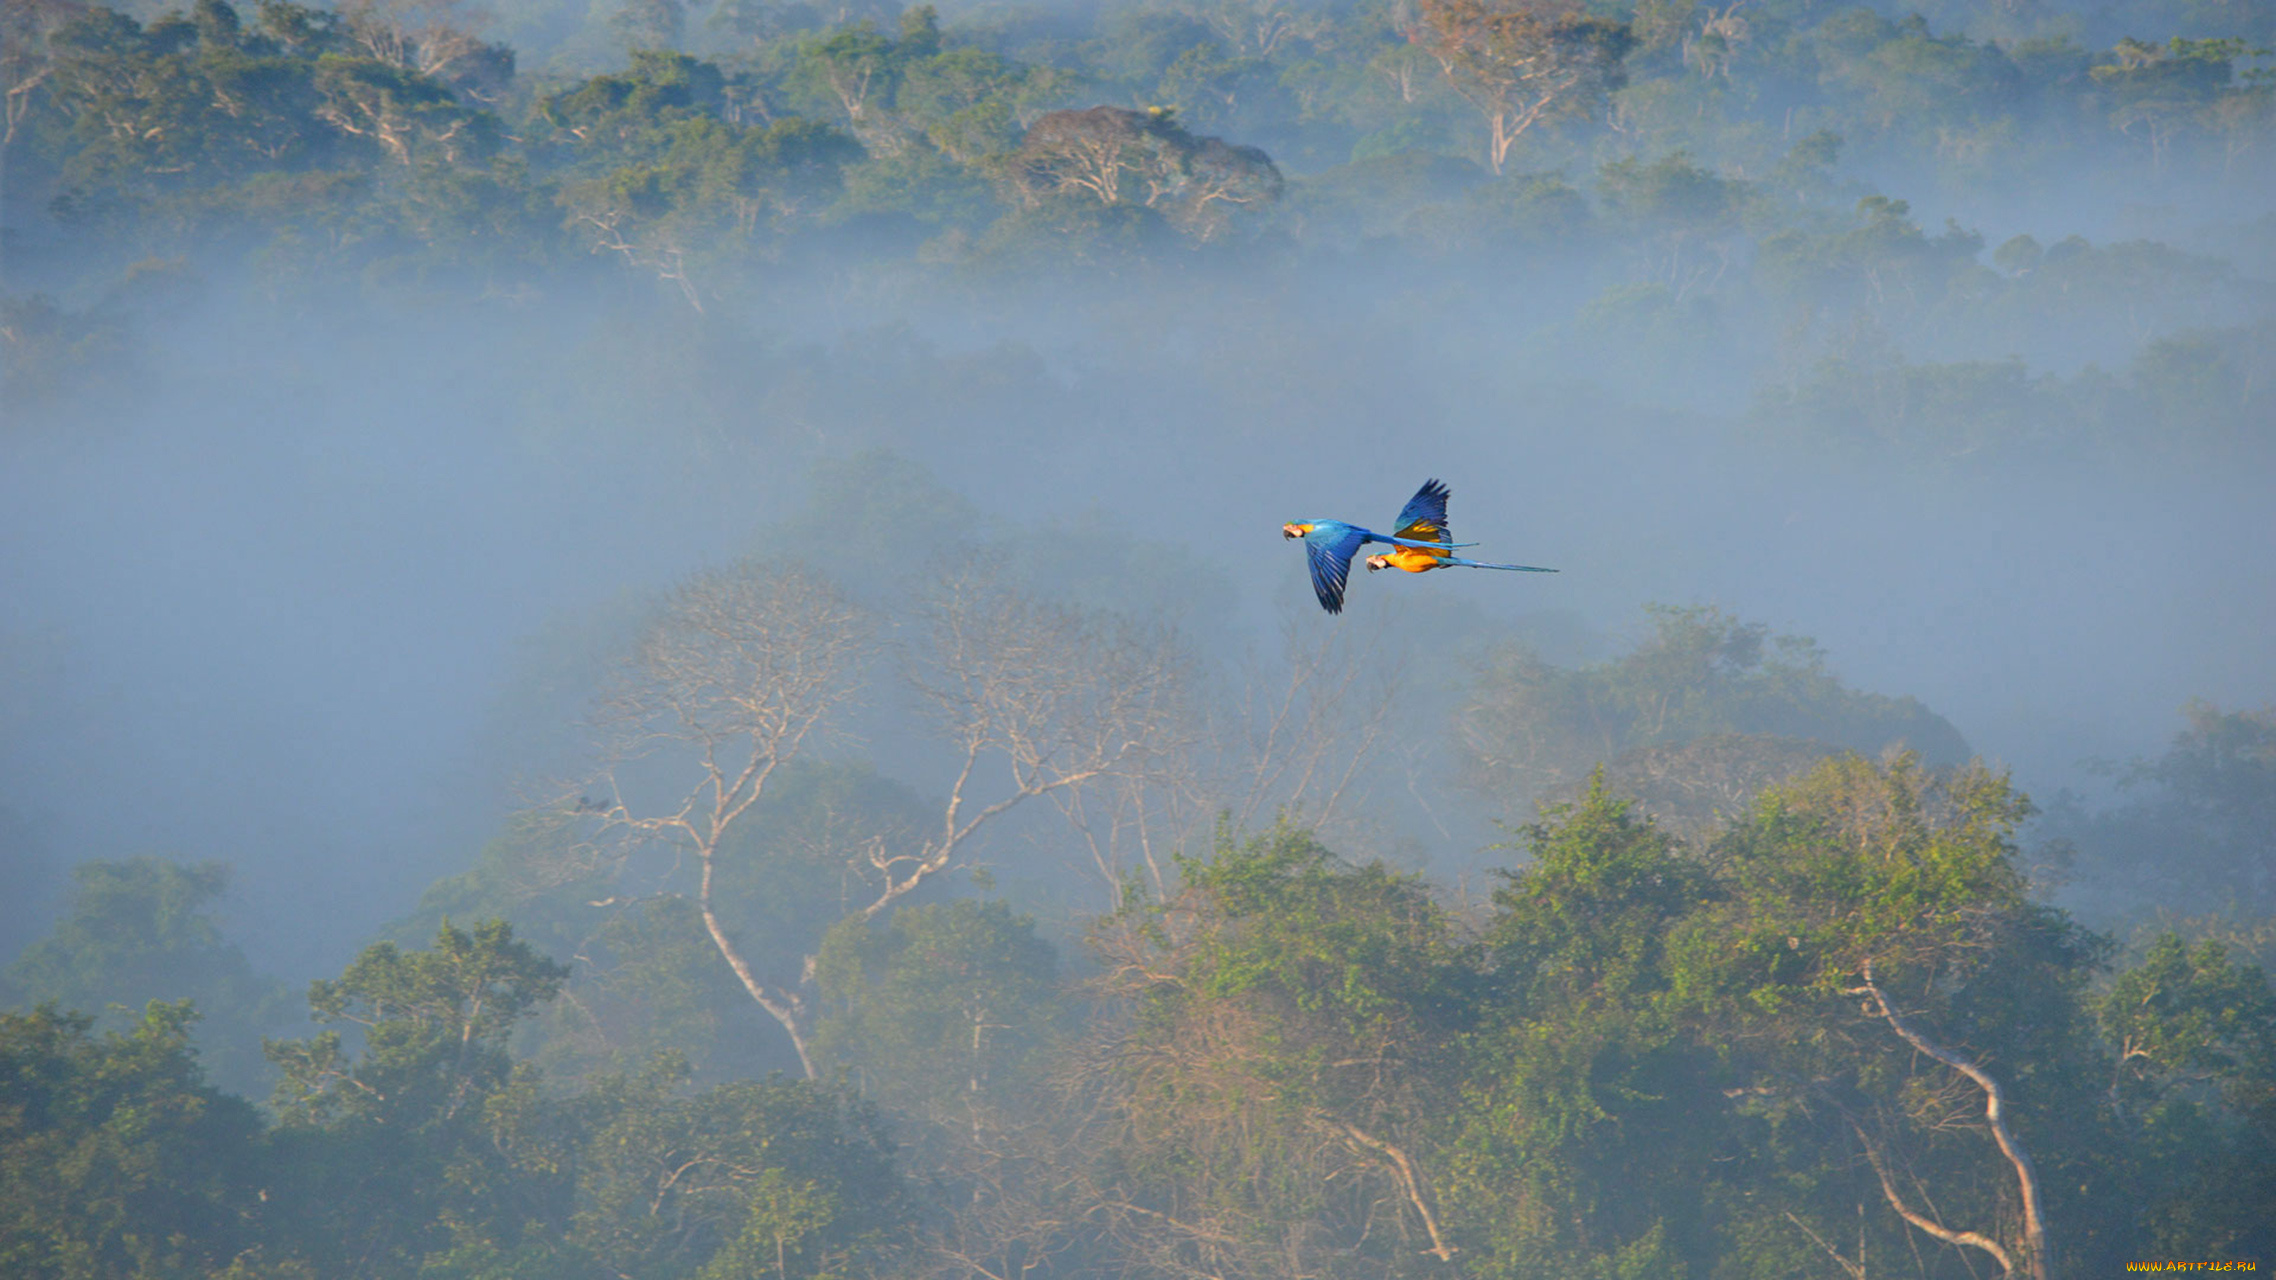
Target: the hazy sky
pixel 264 598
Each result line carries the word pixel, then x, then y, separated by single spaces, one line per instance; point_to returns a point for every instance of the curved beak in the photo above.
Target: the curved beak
pixel 1294 530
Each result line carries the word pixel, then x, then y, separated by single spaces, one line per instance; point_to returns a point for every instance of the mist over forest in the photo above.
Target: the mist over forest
pixel 647 639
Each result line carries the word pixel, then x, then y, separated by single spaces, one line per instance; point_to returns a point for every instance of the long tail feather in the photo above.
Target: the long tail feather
pixel 1513 568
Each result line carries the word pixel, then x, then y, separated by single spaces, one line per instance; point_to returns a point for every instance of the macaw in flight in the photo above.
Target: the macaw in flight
pixel 1330 544
pixel 1425 517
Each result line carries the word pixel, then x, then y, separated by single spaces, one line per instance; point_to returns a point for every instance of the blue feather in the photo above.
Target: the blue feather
pixel 1480 564
pixel 1428 506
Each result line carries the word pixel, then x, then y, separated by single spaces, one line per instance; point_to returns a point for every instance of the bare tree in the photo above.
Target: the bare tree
pixel 1305 735
pixel 1139 816
pixel 1062 702
pixel 608 218
pixel 746 667
pixel 433 38
pixel 737 678
pixel 1297 736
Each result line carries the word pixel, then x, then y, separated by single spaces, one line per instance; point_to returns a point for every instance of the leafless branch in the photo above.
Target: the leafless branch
pixel 1995 1114
pixel 745 667
pixel 1922 1221
pixel 1061 702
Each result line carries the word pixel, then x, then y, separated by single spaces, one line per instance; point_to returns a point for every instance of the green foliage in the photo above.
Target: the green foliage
pixel 428 1154
pixel 434 1027
pixel 1531 728
pixel 2194 1034
pixel 116 1159
pixel 2192 832
pixel 947 1006
pixel 1658 1055
pixel 754 1178
pixel 1681 1038
pixel 1580 1070
pixel 1350 946
pixel 1675 1021
pixel 1293 1016
pixel 141 931
pixel 2192 1011
pixel 1856 863
pixel 407 151
pixel 1578 924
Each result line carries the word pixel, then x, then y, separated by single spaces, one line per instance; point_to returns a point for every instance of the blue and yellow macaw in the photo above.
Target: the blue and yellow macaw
pixel 1330 544
pixel 1425 518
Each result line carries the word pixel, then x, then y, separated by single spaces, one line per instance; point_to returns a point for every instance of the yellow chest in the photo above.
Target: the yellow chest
pixel 1414 559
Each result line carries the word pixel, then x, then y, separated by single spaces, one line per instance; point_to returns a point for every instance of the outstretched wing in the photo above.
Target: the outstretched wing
pixel 1424 516
pixel 1330 551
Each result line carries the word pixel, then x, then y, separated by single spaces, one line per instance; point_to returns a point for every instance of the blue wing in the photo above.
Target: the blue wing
pixel 1424 516
pixel 1329 548
pixel 1480 564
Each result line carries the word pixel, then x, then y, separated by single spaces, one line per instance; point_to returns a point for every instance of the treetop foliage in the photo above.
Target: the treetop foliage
pixel 140 931
pixel 1734 1050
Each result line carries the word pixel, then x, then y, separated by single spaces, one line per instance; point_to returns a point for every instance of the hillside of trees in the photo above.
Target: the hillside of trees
pixel 922 848
pixel 1736 190
pixel 734 1006
pixel 1834 1033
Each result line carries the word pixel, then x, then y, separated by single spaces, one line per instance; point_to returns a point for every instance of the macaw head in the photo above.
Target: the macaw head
pixel 1294 530
pixel 1378 562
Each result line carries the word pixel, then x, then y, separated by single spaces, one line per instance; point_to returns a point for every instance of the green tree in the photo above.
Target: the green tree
pixel 434 1025
pixel 2192 833
pixel 944 1009
pixel 1531 728
pixel 116 1159
pixel 1589 1107
pixel 967 101
pixel 660 177
pixel 398 1153
pixel 1524 65
pixel 2193 1033
pixel 142 930
pixel 1878 944
pixel 775 1177
pixel 1687 213
pixel 2158 92
pixel 1291 1021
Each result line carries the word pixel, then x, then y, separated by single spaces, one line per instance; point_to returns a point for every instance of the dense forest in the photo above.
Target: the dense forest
pixel 647 640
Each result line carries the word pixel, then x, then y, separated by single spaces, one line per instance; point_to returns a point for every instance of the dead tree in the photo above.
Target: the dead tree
pixel 1303 736
pixel 738 676
pixel 1036 700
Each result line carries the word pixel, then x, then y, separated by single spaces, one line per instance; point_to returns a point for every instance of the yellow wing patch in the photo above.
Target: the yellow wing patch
pixel 1414 559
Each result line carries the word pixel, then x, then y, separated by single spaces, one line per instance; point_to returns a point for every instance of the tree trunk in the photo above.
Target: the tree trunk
pixel 784 1007
pixel 2035 1250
